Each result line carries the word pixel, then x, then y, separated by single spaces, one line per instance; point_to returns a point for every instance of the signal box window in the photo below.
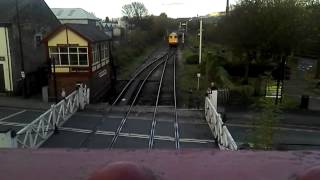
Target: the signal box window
pixel 69 56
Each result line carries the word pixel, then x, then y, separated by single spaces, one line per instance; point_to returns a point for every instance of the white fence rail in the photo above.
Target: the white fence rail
pixel 39 130
pixel 218 128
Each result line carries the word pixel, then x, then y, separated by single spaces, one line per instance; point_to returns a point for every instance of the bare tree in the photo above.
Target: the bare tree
pixel 127 11
pixel 135 10
pixel 107 19
pixel 134 14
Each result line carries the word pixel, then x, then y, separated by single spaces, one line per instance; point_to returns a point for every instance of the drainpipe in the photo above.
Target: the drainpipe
pixel 114 73
pixel 22 73
pixel 54 80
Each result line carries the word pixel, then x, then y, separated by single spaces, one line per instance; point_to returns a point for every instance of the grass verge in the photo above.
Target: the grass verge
pixel 187 82
pixel 131 62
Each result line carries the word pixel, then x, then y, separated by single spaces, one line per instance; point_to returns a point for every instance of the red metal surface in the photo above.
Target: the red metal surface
pixel 311 174
pixel 166 164
pixel 123 171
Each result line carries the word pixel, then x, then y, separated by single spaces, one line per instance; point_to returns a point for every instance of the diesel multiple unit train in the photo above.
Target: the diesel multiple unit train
pixel 173 39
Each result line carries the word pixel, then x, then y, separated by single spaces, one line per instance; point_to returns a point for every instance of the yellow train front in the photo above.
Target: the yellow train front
pixel 173 39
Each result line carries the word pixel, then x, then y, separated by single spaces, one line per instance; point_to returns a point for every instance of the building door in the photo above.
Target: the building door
pixel 2 85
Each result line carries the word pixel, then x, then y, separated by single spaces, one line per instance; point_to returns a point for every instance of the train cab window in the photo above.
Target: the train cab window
pixel 170 37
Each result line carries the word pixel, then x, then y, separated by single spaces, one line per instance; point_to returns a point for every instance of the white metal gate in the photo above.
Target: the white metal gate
pixel 218 128
pixel 38 131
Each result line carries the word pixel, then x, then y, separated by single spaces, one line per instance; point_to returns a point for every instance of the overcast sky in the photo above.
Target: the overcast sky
pixel 174 8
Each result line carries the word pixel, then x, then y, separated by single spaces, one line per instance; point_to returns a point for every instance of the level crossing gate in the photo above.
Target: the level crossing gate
pixel 218 128
pixel 34 134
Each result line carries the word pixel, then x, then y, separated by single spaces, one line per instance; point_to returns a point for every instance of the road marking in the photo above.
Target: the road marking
pixel 163 138
pixel 133 135
pixel 17 108
pixel 88 115
pixel 200 110
pixel 130 117
pixel 130 135
pixel 85 131
pixel 12 115
pixel 200 141
pixel 13 124
pixel 107 133
pixel 159 120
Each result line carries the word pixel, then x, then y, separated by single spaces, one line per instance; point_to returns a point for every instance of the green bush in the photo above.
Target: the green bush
pixel 203 67
pixel 193 59
pixel 289 102
pixel 243 93
pixel 246 91
pixel 265 121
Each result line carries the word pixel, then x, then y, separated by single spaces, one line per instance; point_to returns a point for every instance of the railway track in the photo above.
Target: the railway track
pixel 123 121
pixel 166 99
pixel 133 82
pixel 164 63
pixel 127 123
pixel 143 73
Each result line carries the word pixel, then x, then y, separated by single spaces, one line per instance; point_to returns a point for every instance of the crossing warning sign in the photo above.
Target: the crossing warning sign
pixel 271 89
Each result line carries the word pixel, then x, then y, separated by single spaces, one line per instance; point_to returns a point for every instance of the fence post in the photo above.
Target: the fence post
pixel 88 95
pixel 81 97
pixel 214 98
pixel 54 118
pixel 8 139
pixel 77 95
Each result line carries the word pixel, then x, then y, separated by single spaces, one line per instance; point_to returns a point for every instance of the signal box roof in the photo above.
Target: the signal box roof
pixel 89 32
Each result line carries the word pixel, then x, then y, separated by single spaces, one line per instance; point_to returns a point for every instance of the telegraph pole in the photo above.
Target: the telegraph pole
pixel 200 42
pixel 186 26
pixel 227 8
pixel 23 75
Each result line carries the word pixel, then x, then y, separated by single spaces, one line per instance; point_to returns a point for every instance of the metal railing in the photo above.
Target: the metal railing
pixel 38 131
pixel 218 128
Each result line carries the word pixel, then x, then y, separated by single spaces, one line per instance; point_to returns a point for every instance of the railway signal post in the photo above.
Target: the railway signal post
pixel 200 42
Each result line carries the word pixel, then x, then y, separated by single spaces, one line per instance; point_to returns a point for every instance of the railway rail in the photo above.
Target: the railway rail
pixel 123 121
pixel 154 122
pixel 156 81
pixel 174 99
pixel 176 124
pixel 171 55
pixel 151 63
pixel 143 115
pixel 135 77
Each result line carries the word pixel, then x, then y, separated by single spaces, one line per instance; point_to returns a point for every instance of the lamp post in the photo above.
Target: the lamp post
pixel 200 38
pixel 186 26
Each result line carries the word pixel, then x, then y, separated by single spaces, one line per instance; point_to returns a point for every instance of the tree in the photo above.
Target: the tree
pixel 313 41
pixel 135 10
pixel 163 15
pixel 161 24
pixel 107 19
pixel 134 13
pixel 268 29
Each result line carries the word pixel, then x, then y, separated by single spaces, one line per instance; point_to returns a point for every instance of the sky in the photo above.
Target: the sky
pixel 173 8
